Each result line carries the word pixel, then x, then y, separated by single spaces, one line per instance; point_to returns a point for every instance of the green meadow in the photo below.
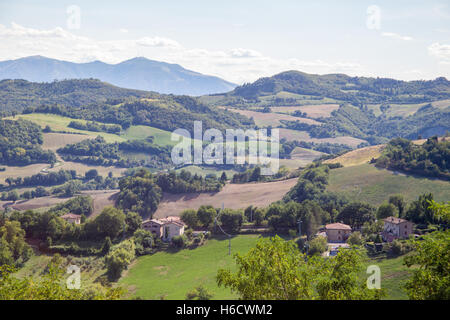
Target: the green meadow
pixel 375 185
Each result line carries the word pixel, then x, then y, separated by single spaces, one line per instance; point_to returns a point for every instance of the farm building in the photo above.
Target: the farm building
pixel 395 228
pixel 165 228
pixel 337 232
pixel 72 218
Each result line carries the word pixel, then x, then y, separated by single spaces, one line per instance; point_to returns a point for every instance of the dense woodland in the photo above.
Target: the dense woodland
pixel 98 152
pixel 355 90
pixel 20 144
pixel 430 159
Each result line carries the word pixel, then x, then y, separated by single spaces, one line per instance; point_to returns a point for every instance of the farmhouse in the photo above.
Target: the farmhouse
pixel 395 228
pixel 72 218
pixel 165 228
pixel 337 232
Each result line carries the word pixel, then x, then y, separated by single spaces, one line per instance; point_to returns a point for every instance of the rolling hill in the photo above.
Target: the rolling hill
pixel 137 73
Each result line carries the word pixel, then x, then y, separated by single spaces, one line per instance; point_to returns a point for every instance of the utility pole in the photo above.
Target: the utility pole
pixel 229 236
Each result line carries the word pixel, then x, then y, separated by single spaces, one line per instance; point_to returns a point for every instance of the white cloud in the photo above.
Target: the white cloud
pixel 157 42
pixel 396 36
pixel 440 51
pixel 237 64
pixel 123 30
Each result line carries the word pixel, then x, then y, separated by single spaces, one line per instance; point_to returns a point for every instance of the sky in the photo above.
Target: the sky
pixel 239 41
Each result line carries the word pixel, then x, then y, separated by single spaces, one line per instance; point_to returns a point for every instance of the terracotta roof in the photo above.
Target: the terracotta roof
pixel 70 216
pixel 394 220
pixel 337 226
pixel 167 220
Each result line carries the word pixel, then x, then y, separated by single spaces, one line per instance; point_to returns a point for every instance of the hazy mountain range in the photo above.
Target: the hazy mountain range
pixel 136 73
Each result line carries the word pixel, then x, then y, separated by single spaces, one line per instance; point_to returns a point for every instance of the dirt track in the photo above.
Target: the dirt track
pixel 235 196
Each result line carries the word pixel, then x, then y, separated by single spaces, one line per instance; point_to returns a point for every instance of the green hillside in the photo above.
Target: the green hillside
pixel 367 183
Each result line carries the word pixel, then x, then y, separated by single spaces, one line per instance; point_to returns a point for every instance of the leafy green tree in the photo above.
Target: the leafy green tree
pixel 355 239
pixel 110 222
pixel 13 248
pixel 356 213
pixel 199 293
pixel 431 280
pixel 398 201
pixel 189 216
pixel 49 287
pixel 231 220
pixel 133 221
pixel 386 210
pixel 119 258
pixel 107 244
pixel 276 270
pixel 206 215
pixel 317 246
pixel 419 211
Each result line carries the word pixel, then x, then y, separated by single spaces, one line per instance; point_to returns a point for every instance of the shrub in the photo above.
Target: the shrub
pixel 179 241
pixel 317 246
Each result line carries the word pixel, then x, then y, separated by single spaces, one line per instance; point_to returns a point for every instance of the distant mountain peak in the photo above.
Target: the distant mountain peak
pixel 136 73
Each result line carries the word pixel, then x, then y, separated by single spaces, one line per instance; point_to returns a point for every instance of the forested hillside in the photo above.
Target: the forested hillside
pixel 97 101
pixel 429 159
pixel 20 144
pixel 16 95
pixel 345 88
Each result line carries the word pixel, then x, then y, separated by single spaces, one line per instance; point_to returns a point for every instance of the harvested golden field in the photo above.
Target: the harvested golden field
pixel 54 141
pixel 358 156
pixel 15 172
pixel 235 196
pixel 101 199
pixel 305 154
pixel 292 135
pixel 313 111
pixel 271 119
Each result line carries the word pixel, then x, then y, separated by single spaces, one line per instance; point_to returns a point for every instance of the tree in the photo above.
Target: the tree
pixel 206 215
pixel 110 222
pixel 223 177
pixel 133 221
pixel 13 248
pixel 386 210
pixel 317 246
pixel 419 211
pixel 49 287
pixel 431 281
pixel 275 270
pixel 199 293
pixel 258 216
pixel 91 174
pixel 107 244
pixel 356 213
pixel 190 217
pixel 398 201
pixel 231 220
pixel 355 239
pixel 119 258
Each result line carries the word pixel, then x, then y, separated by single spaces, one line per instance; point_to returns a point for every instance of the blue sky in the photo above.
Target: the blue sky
pixel 239 41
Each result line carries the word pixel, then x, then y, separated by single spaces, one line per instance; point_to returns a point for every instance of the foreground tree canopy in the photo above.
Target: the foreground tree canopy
pixel 276 270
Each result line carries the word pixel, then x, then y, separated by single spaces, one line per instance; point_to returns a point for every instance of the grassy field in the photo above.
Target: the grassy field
pixel 358 156
pixel 171 275
pixel 370 184
pixel 393 276
pixel 60 123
